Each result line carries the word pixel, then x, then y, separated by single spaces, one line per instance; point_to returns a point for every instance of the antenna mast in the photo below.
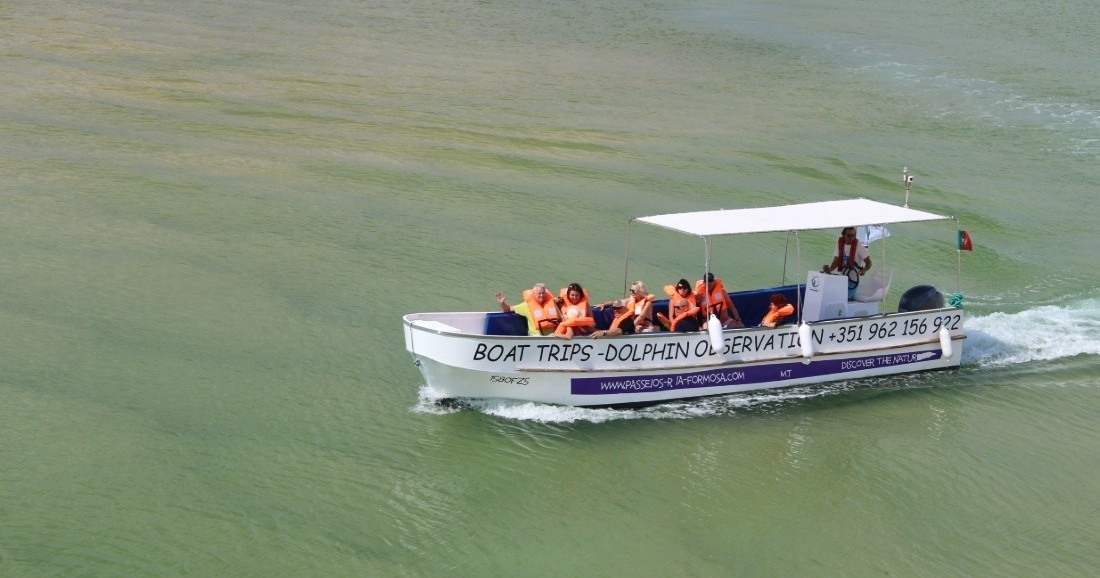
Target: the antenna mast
pixel 908 180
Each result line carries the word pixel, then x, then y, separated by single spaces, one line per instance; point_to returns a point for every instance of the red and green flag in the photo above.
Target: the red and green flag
pixel 964 242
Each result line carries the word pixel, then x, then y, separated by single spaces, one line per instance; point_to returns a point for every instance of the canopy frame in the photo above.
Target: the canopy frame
pixel 795 218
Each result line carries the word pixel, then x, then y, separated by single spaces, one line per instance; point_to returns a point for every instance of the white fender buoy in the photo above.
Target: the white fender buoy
pixel 714 328
pixel 945 342
pixel 805 340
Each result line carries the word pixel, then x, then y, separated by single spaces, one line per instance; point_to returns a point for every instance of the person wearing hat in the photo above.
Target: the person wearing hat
pixel 638 305
pixel 623 324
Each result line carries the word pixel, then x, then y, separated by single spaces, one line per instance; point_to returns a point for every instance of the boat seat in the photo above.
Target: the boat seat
pixel 752 305
pixel 604 316
pixel 501 323
pixel 874 286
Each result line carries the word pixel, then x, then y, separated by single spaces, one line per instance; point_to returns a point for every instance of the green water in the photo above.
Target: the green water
pixel 215 214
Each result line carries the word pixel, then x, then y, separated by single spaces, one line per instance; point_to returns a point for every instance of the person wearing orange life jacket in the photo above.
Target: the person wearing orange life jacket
pixel 539 307
pixel 850 258
pixel 622 324
pixel 576 313
pixel 716 301
pixel 638 307
pixel 682 309
pixel 778 310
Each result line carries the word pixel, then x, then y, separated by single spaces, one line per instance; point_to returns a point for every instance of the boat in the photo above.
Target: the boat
pixel 478 355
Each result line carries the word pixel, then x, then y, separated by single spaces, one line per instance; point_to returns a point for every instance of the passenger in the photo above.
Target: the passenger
pixel 623 324
pixel 850 258
pixel 639 307
pixel 778 310
pixel 538 307
pixel 682 309
pixel 716 301
pixel 576 313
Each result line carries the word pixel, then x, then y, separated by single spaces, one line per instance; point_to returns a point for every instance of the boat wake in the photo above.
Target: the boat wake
pixel 760 402
pixel 1042 333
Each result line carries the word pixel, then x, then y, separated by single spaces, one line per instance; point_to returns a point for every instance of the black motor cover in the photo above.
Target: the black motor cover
pixel 920 298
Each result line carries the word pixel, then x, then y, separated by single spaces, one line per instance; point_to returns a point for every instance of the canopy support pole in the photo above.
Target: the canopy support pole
pixel 626 264
pixel 882 273
pixel 958 256
pixel 786 249
pixel 706 256
pixel 798 265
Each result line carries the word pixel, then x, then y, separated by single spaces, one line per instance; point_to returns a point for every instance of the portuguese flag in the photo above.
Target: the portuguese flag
pixel 964 243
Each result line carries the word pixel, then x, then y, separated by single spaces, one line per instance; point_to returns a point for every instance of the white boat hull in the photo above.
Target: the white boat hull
pixel 459 362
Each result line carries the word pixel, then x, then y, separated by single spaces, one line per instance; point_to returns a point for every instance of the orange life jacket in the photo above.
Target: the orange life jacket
pixel 718 302
pixel 679 307
pixel 851 262
pixel 620 318
pixel 777 314
pixel 543 315
pixel 632 308
pixel 581 318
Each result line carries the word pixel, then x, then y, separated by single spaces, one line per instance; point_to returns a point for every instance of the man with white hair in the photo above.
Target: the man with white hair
pixel 539 307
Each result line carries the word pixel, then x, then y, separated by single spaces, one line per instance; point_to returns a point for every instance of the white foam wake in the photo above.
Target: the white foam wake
pixel 1040 334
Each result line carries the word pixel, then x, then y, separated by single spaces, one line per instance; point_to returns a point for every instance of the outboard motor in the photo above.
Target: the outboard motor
pixel 920 298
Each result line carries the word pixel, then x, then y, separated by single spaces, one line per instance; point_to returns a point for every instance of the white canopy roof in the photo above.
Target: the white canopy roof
pixel 800 217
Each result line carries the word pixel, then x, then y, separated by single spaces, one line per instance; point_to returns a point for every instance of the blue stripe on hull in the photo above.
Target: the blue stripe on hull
pixel 742 375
